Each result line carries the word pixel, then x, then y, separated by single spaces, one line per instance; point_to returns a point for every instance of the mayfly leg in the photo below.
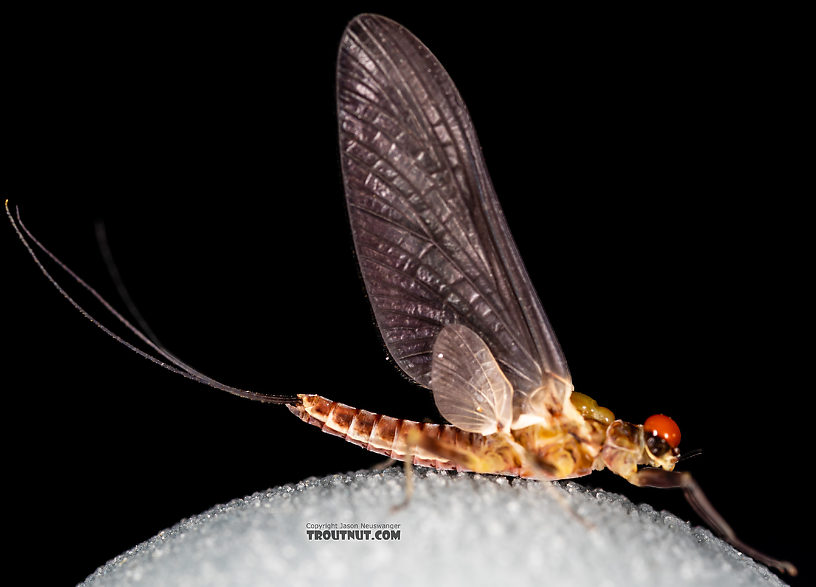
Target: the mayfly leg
pixel 699 502
pixel 544 471
pixel 382 465
pixel 412 440
pixel 408 469
pixel 552 489
pixel 467 461
pixel 416 441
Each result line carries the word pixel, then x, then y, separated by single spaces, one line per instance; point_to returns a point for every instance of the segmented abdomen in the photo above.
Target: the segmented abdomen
pixel 390 436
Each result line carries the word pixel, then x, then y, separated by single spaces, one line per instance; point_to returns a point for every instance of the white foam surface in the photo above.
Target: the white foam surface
pixel 458 529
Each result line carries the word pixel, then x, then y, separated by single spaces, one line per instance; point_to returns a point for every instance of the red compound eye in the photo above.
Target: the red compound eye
pixel 664 427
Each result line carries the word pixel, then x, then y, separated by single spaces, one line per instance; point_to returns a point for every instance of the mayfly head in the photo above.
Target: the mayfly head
pixel 629 446
pixel 662 437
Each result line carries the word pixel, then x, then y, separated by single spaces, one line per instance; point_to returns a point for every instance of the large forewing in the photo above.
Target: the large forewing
pixel 430 236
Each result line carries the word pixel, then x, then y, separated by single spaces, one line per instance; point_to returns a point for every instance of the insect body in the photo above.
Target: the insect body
pixel 449 291
pixel 557 451
pixel 451 297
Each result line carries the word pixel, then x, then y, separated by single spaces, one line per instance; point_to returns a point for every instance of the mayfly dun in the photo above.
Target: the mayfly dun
pixel 451 297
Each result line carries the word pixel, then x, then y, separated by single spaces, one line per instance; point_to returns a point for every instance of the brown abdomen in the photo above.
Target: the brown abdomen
pixel 428 444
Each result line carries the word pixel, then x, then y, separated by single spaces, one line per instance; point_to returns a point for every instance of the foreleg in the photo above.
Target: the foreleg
pixel 697 499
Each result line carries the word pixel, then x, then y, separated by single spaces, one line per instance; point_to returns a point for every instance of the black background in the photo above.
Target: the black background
pixel 648 166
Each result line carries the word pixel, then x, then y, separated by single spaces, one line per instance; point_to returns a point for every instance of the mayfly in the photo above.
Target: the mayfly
pixel 451 297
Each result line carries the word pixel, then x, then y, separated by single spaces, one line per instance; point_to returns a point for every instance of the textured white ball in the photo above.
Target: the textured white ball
pixel 458 529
